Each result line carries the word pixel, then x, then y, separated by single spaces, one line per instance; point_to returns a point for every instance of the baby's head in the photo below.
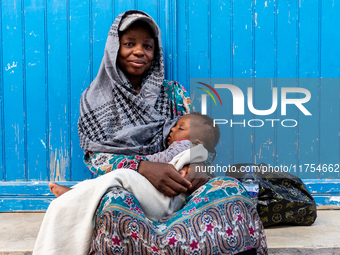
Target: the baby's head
pixel 198 129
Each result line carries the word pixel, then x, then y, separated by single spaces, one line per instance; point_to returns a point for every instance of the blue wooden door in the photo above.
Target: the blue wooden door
pixel 51 51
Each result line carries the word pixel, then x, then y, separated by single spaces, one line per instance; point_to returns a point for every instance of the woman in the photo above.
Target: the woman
pixel 126 112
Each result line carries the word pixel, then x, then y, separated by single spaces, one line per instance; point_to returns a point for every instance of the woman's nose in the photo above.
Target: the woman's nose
pixel 138 50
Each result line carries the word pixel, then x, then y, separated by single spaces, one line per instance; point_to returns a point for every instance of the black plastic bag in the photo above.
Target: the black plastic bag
pixel 283 198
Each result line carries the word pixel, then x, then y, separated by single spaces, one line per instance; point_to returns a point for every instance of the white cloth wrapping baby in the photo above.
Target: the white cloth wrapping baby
pixel 68 225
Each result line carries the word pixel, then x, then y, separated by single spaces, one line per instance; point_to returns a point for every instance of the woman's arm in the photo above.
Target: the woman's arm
pixel 163 176
pixel 102 163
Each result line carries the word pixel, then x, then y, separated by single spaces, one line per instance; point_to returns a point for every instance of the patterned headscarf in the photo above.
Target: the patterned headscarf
pixel 113 116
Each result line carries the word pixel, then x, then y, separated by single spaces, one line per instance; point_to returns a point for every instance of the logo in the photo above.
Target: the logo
pixel 238 99
pixel 204 97
pixel 293 98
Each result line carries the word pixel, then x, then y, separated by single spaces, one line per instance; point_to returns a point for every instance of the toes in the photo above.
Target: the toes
pixel 51 185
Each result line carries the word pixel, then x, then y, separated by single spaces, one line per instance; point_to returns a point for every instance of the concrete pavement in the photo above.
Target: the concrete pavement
pixel 19 230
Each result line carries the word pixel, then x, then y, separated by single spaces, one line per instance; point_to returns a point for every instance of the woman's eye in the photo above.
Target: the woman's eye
pixel 149 47
pixel 128 44
pixel 181 128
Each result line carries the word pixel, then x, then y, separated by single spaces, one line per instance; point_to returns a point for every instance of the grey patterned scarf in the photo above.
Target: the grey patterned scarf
pixel 116 119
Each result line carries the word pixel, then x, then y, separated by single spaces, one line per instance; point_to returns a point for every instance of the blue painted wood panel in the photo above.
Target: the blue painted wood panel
pixel 286 67
pixel 50 52
pixel 26 196
pixel 79 78
pixel 221 28
pixel 243 29
pixel 36 91
pixel 264 66
pixel 330 67
pixel 58 41
pixel 2 156
pixel 309 67
pixel 14 96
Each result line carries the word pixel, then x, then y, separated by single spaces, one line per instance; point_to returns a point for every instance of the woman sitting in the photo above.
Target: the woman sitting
pixel 127 112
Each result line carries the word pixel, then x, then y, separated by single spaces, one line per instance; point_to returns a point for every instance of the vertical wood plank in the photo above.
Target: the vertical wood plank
pixel 199 39
pixel 242 66
pixel 330 88
pixel 35 90
pixel 221 54
pixel 287 66
pixel 170 40
pixel 183 75
pixel 163 24
pixel 220 40
pixel 309 126
pixel 199 43
pixel 57 22
pixel 80 69
pixel 2 156
pixel 13 78
pixel 102 16
pixel 264 62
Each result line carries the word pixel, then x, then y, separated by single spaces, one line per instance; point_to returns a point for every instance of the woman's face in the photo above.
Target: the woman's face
pixel 136 51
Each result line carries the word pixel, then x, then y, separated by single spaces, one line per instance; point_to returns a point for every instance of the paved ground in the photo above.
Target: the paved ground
pixel 19 230
pixel 323 237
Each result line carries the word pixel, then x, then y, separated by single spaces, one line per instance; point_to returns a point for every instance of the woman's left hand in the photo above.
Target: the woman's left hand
pixel 197 178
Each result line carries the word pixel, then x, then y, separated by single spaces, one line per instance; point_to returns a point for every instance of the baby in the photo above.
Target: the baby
pixel 191 129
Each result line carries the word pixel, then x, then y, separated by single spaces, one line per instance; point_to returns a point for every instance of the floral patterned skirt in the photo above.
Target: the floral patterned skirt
pixel 218 218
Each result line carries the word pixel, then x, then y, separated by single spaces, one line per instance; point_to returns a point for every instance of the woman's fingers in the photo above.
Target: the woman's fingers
pixel 174 175
pixel 169 192
pixel 173 183
pixel 164 177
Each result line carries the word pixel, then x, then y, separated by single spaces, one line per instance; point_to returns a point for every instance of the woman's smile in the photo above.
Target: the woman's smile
pixel 137 63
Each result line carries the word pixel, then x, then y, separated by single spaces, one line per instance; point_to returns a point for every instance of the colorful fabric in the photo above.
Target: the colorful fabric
pixel 100 163
pixel 218 218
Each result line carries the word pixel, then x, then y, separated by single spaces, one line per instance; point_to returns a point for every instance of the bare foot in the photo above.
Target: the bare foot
pixel 57 189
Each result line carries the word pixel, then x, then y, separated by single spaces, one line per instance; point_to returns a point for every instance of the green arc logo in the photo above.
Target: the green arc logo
pixel 209 93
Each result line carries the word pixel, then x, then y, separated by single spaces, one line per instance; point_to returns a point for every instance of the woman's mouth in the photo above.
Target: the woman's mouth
pixel 137 63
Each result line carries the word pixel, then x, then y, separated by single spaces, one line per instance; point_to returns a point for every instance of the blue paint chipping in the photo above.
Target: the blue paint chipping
pixel 50 51
pixel 23 196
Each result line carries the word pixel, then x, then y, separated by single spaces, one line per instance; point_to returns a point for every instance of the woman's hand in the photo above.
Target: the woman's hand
pixel 197 178
pixel 164 177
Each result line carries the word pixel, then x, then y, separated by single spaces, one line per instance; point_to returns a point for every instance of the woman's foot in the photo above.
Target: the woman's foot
pixel 57 189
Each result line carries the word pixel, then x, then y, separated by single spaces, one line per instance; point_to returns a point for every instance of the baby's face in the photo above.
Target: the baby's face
pixel 180 131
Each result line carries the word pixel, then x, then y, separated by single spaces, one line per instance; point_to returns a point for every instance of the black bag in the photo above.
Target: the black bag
pixel 283 198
